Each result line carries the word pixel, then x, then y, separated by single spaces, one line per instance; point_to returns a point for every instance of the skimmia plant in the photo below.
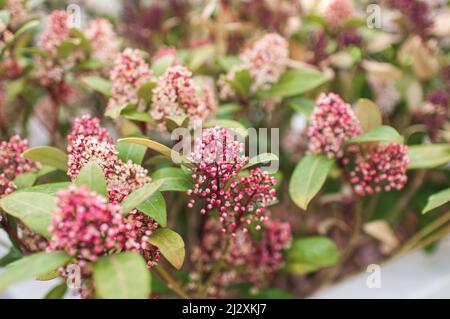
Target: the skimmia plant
pixel 218 149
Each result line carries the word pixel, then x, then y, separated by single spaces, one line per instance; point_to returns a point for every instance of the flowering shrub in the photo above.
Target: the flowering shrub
pixel 218 149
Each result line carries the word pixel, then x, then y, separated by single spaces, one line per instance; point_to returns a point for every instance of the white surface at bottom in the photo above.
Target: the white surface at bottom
pixel 416 275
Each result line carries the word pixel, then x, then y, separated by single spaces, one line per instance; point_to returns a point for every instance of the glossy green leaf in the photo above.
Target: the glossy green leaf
pixel 92 176
pixel 122 276
pixel 47 155
pixel 241 82
pixel 140 195
pixel 308 178
pixel 428 155
pixel 368 114
pixel 145 91
pixel 31 266
pixel 437 200
pixel 302 106
pixel 295 82
pixel 49 189
pixel 34 209
pixel 155 207
pixel 378 134
pixel 131 152
pixel 131 113
pixel 311 253
pixel 160 65
pixel 261 159
pixel 98 84
pixel 174 179
pixel 234 126
pixel 57 292
pixel 170 244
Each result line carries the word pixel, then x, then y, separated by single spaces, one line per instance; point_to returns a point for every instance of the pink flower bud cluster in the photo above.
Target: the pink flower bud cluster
pixel 435 112
pixel 89 142
pixel 104 41
pixel 17 10
pixel 176 95
pixel 129 73
pixel 87 226
pixel 266 61
pixel 239 200
pixel 338 12
pixel 12 163
pixel 332 122
pixel 375 167
pixel 267 254
pixel 55 33
pixel 249 259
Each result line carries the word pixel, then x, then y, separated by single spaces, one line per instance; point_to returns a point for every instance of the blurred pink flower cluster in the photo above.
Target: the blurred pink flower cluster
pixel 12 163
pixel 240 200
pixel 266 61
pixel 332 122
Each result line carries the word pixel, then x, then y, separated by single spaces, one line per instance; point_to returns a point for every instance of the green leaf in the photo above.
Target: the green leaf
pixel 159 66
pixel 228 109
pixel 173 178
pixel 25 180
pixel 5 17
pixel 140 195
pixel 98 84
pixel 155 207
pixel 311 253
pixel 308 178
pixel 49 189
pixel 295 82
pixel 302 106
pixel 57 292
pixel 131 152
pixel 260 159
pixel 145 91
pixel 368 114
pixel 34 209
pixel 173 122
pixel 200 55
pixel 241 83
pixel 31 266
pixel 47 155
pixel 160 148
pixel 228 61
pixel 231 124
pixel 122 276
pixel 436 200
pixel 66 48
pixel 170 244
pixel 131 113
pixel 428 155
pixel 13 255
pixel 30 25
pixel 378 134
pixel 91 175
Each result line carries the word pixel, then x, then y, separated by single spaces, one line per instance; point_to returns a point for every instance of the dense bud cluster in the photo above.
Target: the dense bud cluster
pixel 332 122
pixel 87 226
pixel 176 95
pixel 266 61
pixel 376 167
pixel 239 200
pixel 12 163
pixel 129 73
pixel 104 41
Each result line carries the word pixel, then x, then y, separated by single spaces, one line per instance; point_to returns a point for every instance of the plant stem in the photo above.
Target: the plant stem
pixel 215 272
pixel 171 282
pixel 417 238
pixel 402 204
